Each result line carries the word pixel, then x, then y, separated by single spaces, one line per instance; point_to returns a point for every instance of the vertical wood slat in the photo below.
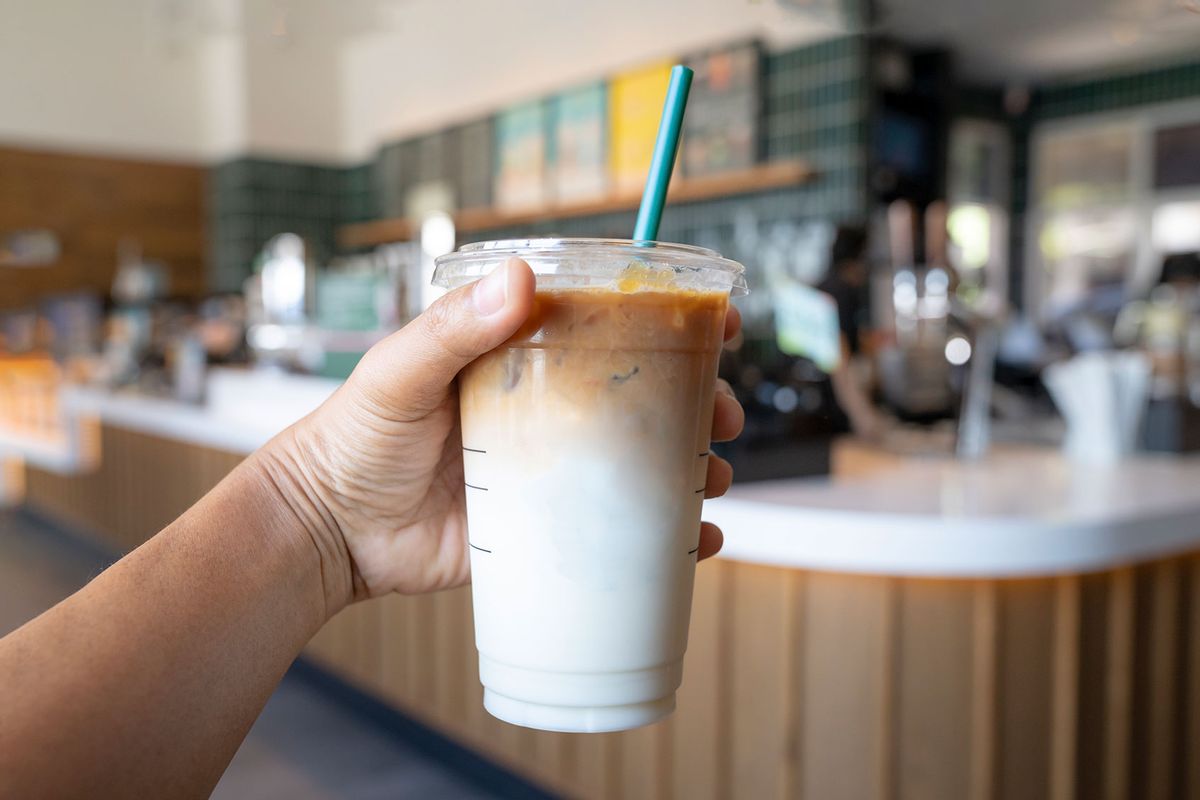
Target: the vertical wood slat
pixel 846 678
pixel 370 653
pixel 984 632
pixel 450 662
pixel 640 758
pixel 1064 688
pixel 419 622
pixel 883 745
pixel 761 674
pixel 1191 776
pixel 548 755
pixel 797 642
pixel 473 691
pixel 1159 737
pixel 1024 707
pixel 393 635
pixel 592 766
pixel 1118 700
pixel 933 699
pixel 695 752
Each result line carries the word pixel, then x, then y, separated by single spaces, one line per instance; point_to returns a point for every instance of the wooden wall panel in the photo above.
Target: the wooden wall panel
pixel 800 685
pixel 92 203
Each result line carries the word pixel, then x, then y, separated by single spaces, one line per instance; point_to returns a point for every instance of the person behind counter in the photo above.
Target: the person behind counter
pixel 846 283
pixel 144 682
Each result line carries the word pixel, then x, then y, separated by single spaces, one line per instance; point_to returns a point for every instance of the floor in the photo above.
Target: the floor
pixel 305 746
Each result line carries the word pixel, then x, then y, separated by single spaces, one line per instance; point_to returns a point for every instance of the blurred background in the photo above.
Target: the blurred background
pixel 960 551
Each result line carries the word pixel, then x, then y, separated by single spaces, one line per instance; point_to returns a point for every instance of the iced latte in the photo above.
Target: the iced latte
pixel 585 447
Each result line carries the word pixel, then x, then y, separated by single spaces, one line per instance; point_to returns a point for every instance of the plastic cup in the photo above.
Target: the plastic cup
pixel 585 446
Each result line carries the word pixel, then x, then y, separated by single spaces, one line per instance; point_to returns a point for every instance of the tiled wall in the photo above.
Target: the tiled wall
pixel 1116 91
pixel 252 199
pixel 815 107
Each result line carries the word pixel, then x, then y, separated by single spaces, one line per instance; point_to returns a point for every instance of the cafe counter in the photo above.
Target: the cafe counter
pixel 1017 627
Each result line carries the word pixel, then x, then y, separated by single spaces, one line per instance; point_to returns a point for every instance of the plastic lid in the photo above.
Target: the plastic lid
pixel 566 263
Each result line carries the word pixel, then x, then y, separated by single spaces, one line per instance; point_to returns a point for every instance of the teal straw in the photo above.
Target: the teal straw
pixel 665 148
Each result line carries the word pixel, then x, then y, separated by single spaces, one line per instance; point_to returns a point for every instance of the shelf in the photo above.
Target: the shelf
pixel 759 178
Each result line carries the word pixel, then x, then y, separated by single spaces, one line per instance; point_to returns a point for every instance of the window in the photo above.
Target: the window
pixel 1111 196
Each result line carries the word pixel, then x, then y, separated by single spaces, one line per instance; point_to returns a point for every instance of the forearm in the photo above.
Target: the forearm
pixel 146 681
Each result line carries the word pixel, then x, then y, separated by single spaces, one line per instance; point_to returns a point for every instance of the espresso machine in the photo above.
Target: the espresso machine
pixel 279 302
pixel 915 367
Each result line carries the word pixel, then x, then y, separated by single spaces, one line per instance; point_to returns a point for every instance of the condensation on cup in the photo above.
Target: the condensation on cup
pixel 585 445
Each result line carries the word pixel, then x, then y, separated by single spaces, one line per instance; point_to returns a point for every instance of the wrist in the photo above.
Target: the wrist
pixel 292 488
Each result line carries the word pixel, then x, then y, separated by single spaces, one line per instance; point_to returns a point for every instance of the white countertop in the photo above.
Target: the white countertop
pixel 243 409
pixel 1019 512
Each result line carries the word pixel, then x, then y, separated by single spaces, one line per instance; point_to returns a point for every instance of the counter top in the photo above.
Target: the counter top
pixel 1018 512
pixel 1021 511
pixel 243 409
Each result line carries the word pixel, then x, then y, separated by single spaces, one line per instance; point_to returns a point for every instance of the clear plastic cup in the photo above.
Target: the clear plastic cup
pixel 585 448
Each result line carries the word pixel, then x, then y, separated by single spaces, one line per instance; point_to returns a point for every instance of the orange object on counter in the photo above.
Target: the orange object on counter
pixel 29 387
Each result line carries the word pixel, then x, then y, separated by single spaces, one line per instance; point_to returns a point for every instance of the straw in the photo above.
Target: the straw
pixel 665 148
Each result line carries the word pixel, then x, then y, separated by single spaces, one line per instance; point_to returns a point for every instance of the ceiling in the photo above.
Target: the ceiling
pixel 1018 41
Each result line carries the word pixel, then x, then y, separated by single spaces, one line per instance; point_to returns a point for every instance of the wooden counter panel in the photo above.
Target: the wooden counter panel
pixel 144 482
pixel 933 704
pixel 797 684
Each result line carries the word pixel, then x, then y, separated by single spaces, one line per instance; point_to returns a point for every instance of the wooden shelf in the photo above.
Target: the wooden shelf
pixel 759 178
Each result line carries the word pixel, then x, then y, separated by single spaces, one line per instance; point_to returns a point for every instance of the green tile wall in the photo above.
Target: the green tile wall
pixel 253 199
pixel 1111 92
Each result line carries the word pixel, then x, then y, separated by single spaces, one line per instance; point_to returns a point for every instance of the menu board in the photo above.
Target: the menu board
pixel 522 145
pixel 722 123
pixel 580 157
pixel 634 106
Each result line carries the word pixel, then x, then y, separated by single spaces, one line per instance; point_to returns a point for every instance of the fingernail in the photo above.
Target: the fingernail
pixel 491 293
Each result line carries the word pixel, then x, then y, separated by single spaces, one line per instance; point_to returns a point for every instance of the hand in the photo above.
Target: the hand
pixel 376 473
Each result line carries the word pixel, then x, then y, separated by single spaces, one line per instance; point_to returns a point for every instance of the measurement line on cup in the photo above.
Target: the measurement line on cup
pixel 702 455
pixel 473 486
pixel 694 550
pixel 473 449
pixel 698 491
pixel 477 547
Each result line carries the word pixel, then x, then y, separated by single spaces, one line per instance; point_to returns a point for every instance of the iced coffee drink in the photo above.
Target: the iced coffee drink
pixel 585 447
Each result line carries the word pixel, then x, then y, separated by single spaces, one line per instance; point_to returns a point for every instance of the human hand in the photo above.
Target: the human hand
pixel 376 474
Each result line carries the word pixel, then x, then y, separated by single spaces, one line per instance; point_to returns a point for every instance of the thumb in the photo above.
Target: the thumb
pixel 410 370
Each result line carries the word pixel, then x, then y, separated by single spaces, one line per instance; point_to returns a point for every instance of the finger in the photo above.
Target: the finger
pixel 733 322
pixel 411 369
pixel 719 477
pixel 728 415
pixel 711 540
